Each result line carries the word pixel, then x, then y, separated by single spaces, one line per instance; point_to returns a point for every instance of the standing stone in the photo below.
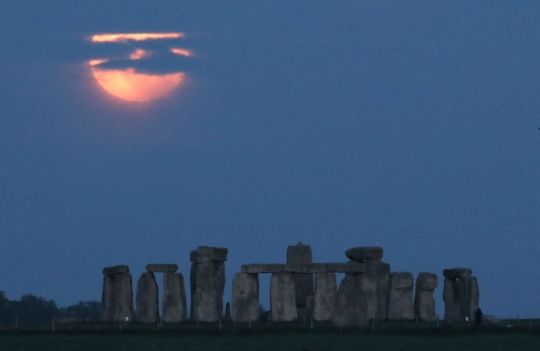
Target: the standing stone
pixel 325 296
pixel 424 303
pixel 207 280
pixel 174 307
pixel 351 305
pixel 282 297
pixel 400 296
pixel 245 297
pixel 375 282
pixel 147 299
pixel 117 295
pixel 460 295
pixel 303 283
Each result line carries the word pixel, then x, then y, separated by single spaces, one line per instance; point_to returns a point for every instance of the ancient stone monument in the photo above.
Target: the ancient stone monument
pixel 400 296
pixel 351 305
pixel 245 297
pixel 282 297
pixel 303 282
pixel 424 303
pixel 460 295
pixel 117 295
pixel 374 282
pixel 207 280
pixel 325 296
pixel 147 307
pixel 174 308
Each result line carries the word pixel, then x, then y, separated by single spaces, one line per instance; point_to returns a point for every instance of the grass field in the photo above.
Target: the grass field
pixel 261 337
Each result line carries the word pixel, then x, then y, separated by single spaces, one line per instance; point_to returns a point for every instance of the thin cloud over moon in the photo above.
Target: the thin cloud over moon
pixel 144 74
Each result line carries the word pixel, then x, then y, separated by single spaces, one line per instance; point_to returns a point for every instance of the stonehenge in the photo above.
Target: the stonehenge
pixel 300 289
pixel 461 295
pixel 245 297
pixel 117 295
pixel 300 254
pixel 424 303
pixel 207 280
pixel 147 305
pixel 325 296
pixel 400 296
pixel 174 307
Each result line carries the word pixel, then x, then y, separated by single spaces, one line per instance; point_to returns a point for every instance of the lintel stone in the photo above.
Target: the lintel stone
pixel 161 268
pixel 112 270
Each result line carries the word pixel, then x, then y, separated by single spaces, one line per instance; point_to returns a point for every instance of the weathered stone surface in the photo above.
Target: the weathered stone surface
pixel 245 297
pixel 117 298
pixel 174 306
pixel 161 268
pixel 325 296
pixel 351 305
pixel 147 307
pixel 300 255
pixel 364 253
pixel 461 297
pixel 400 296
pixel 349 267
pixel 383 275
pixel 282 297
pixel 207 285
pixel 457 272
pixel 368 285
pixel 120 269
pixel 207 254
pixel 424 303
pixel 451 298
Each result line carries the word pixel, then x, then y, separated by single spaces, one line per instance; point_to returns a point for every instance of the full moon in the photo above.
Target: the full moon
pixel 128 84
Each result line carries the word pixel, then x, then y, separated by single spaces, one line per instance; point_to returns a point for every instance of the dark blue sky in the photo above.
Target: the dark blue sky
pixel 410 125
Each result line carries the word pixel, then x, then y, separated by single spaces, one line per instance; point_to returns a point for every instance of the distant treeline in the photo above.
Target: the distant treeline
pixel 31 309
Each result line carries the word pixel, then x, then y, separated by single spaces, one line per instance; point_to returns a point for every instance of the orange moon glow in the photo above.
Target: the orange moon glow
pixel 133 86
pixel 130 85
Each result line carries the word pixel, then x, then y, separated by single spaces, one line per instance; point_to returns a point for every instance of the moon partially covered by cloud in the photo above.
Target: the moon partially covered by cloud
pixel 129 77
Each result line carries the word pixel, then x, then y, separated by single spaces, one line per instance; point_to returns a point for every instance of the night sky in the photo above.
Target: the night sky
pixel 411 125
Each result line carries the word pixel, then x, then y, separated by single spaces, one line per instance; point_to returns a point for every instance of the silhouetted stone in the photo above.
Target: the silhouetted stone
pixel 208 254
pixel 349 267
pixel 303 283
pixel 227 316
pixel 207 285
pixel 245 297
pixel 117 298
pixel 400 296
pixel 383 275
pixel 161 268
pixel 174 307
pixel 424 303
pixel 325 296
pixel 457 272
pixel 364 253
pixel 120 269
pixel 282 297
pixel 461 295
pixel 351 305
pixel 147 299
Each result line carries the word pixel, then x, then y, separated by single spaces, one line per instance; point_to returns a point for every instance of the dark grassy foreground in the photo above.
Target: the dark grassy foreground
pixel 389 337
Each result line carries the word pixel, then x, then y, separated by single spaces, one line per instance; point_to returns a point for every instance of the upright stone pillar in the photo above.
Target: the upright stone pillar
pixel 460 295
pixel 374 282
pixel 147 299
pixel 282 297
pixel 400 296
pixel 207 280
pixel 424 303
pixel 351 305
pixel 325 296
pixel 303 283
pixel 174 307
pixel 117 295
pixel 245 297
